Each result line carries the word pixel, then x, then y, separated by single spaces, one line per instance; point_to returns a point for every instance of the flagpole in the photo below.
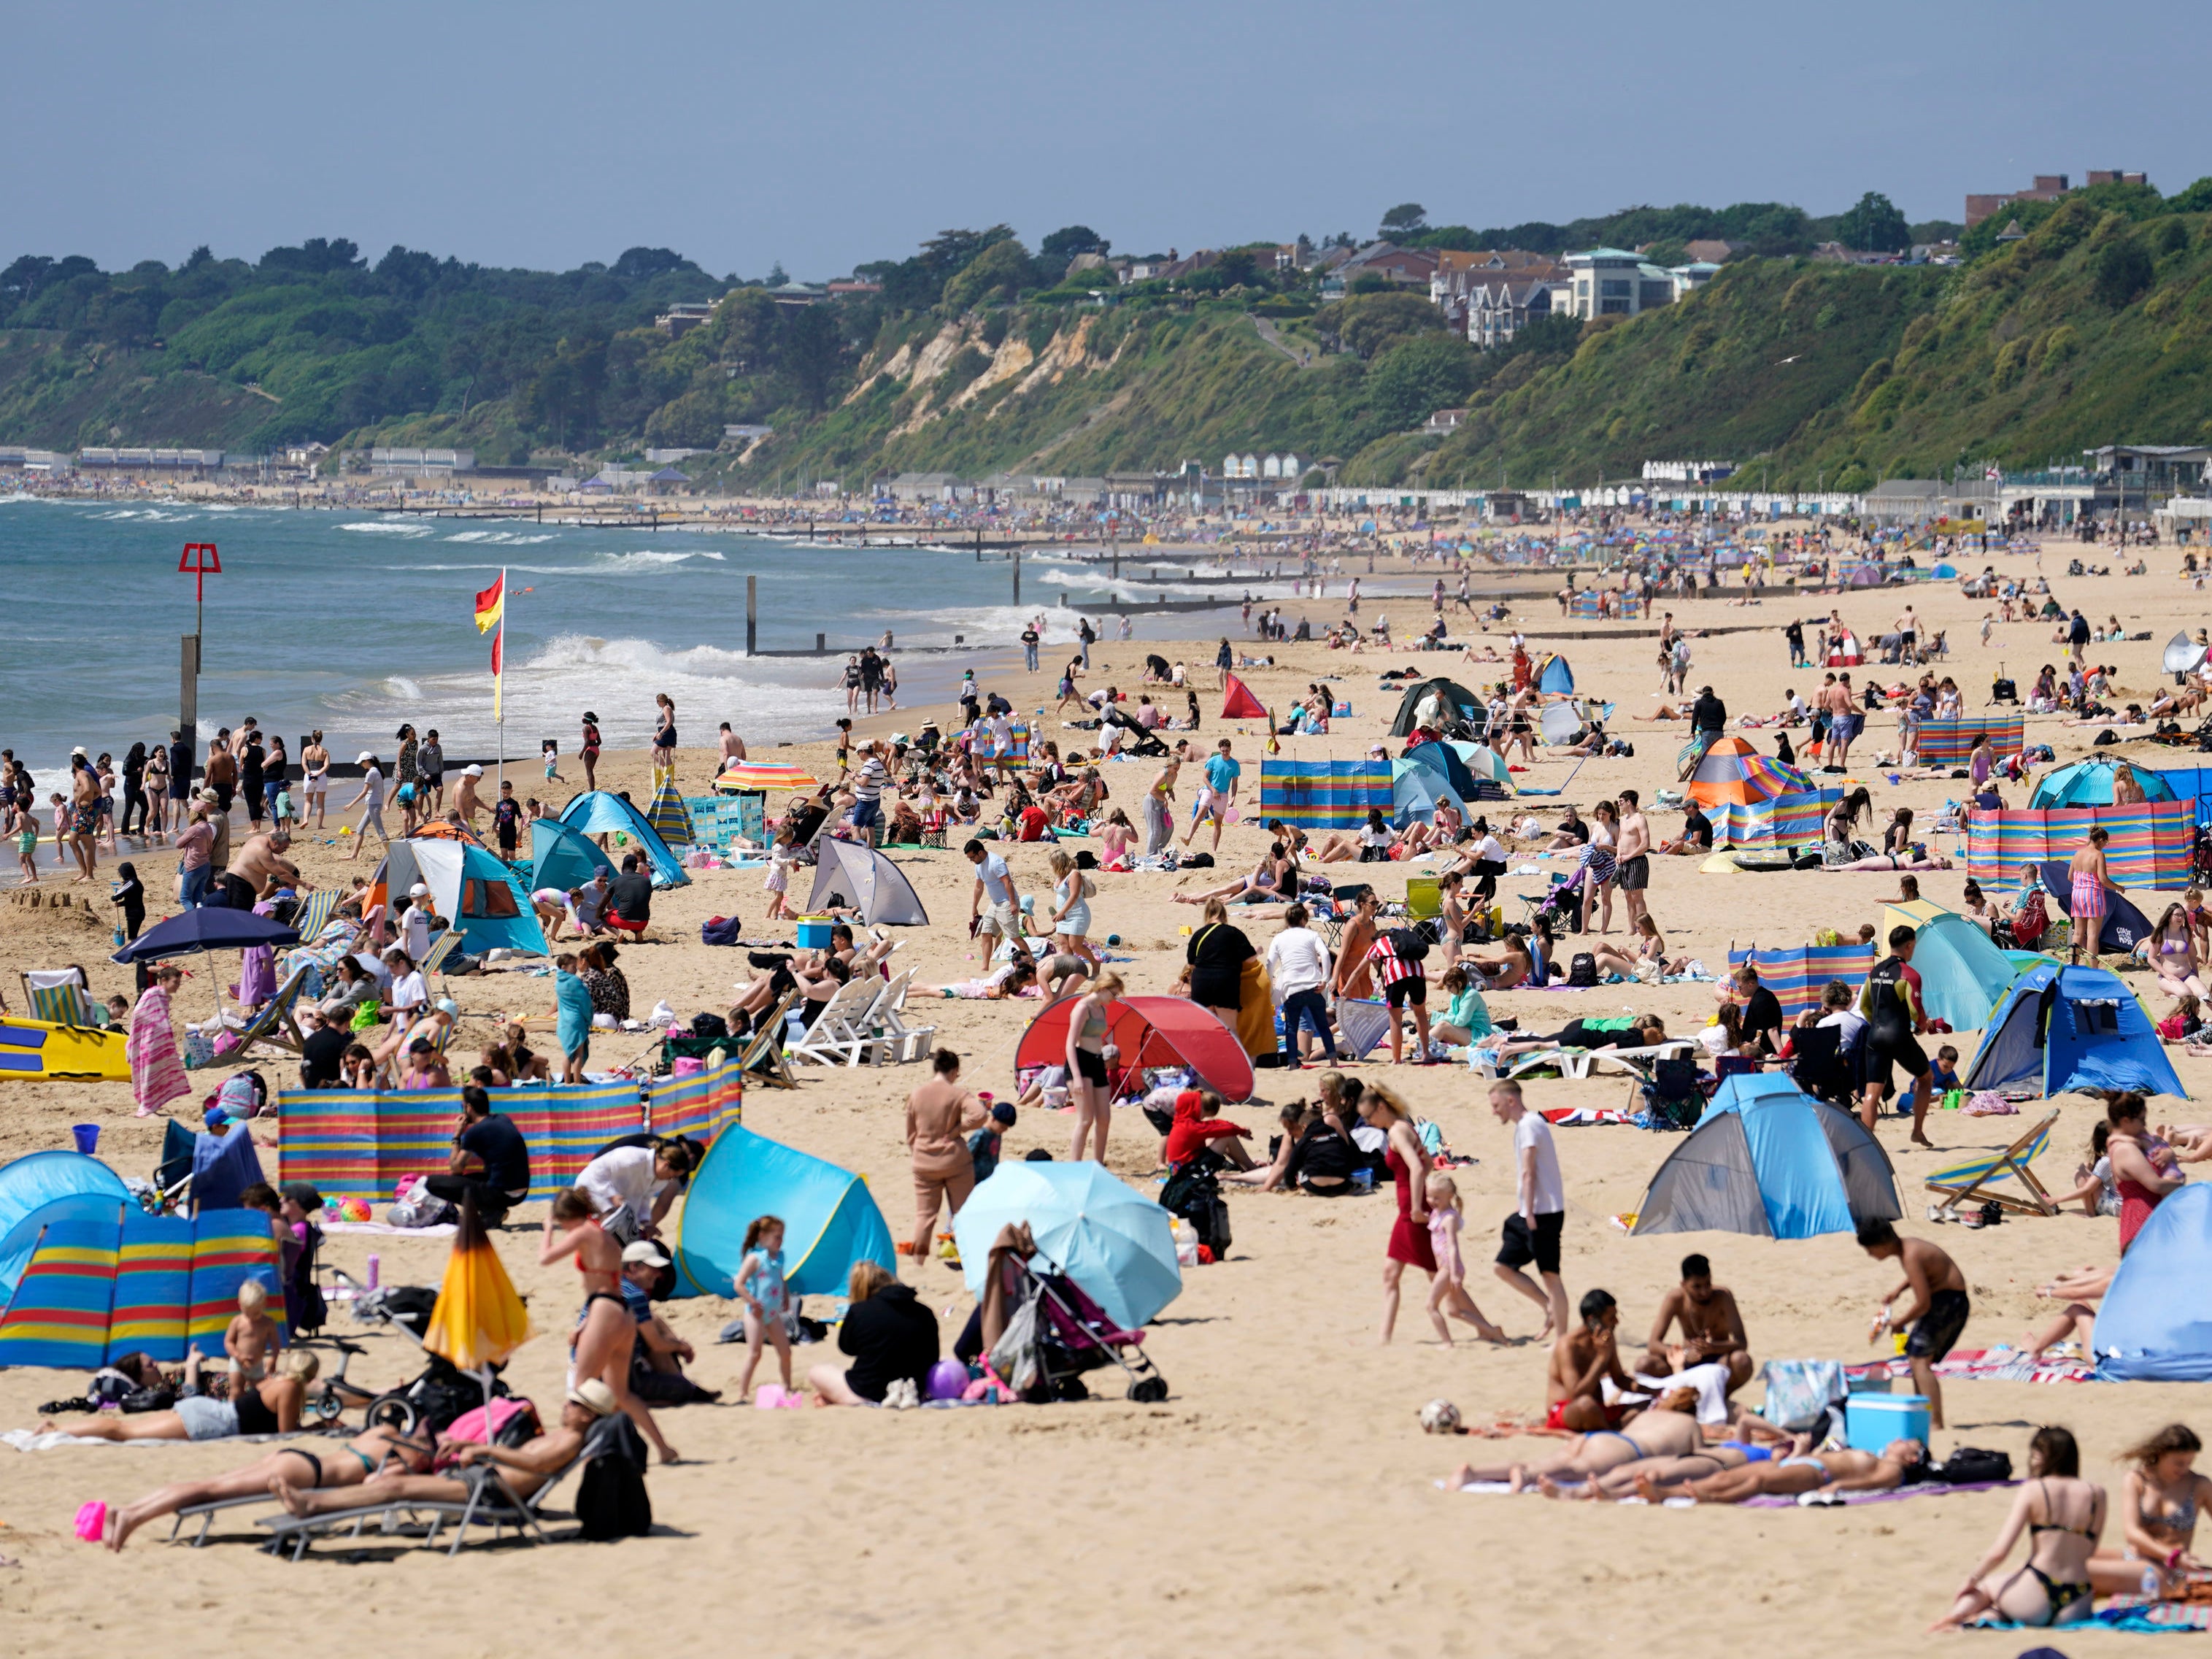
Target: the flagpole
pixel 498 679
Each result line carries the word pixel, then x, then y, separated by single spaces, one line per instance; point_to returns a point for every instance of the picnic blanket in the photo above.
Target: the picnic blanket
pixel 1839 1500
pixel 2128 1613
pixel 1986 1365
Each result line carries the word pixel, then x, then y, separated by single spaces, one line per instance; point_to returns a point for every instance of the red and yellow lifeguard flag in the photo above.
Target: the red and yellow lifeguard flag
pixel 491 616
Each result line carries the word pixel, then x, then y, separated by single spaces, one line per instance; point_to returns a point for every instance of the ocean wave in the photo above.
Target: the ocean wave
pixel 1137 591
pixel 500 537
pixel 388 527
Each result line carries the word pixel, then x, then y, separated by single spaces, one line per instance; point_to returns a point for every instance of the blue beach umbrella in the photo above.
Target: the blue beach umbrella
pixel 1112 1240
pixel 215 929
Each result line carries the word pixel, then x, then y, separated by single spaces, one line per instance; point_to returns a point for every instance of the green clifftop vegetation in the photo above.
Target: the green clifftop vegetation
pixel 977 355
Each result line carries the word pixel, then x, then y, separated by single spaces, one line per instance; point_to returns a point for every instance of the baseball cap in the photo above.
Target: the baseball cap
pixel 418 891
pixel 595 1397
pixel 303 1194
pixel 363 758
pixel 643 1250
pixel 473 771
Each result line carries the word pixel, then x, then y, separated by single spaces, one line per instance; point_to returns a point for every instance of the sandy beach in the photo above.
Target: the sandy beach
pixel 1282 1500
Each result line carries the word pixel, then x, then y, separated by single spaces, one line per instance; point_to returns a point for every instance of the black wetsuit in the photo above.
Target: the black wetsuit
pixel 1890 1004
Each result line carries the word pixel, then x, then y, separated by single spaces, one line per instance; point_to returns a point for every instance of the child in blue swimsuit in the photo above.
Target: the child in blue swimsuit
pixel 760 1288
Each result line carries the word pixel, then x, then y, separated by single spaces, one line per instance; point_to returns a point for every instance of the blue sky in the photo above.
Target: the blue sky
pixel 823 134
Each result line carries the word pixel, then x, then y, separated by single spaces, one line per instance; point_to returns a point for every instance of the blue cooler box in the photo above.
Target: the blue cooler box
pixel 1871 1421
pixel 814 933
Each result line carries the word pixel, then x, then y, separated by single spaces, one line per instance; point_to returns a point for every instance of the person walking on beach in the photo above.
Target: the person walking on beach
pixel 590 749
pixel 1030 639
pixel 315 778
pixel 940 1116
pixel 430 768
pixel 84 818
pixel 1532 1232
pixel 1160 808
pixel 1084 634
pixel 371 801
pixel 1218 795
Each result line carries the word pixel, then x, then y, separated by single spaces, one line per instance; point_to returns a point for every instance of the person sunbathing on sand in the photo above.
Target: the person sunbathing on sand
pixel 331 1468
pixel 270 1407
pixel 525 1468
pixel 1666 1429
pixel 1820 1472
pixel 1666 711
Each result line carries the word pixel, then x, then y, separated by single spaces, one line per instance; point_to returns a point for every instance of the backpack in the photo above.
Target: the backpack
pixel 1409 945
pixel 720 930
pixel 612 1501
pixel 1969 1466
pixel 1582 972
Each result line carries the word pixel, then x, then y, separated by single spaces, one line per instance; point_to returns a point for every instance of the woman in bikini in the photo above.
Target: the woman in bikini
pixel 607 1333
pixel 2172 951
pixel 1666 1432
pixel 2164 1494
pixel 1090 1066
pixel 590 749
pixel 329 1469
pixel 2064 1517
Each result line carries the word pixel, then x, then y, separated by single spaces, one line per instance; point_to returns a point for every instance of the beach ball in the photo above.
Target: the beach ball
pixel 1440 1416
pixel 356 1209
pixel 948 1380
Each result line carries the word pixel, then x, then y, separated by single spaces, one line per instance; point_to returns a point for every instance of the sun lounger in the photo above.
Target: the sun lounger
pixel 492 1501
pixel 887 1037
pixel 1971 1180
pixel 830 1041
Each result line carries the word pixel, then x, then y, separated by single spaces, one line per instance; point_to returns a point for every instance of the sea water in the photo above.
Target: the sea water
pixel 352 621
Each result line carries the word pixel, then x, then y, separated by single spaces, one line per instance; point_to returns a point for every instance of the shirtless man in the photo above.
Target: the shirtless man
pixel 257 858
pixel 1835 1472
pixel 1667 1431
pixel 1842 721
pixel 331 1468
pixel 1939 1310
pixel 733 746
pixel 84 819
pixel 527 1467
pixel 1581 1359
pixel 1712 1328
pixel 1633 855
pixel 465 803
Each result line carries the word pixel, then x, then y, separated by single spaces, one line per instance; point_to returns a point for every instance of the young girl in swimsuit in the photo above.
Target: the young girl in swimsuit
pixel 605 1333
pixel 2064 1517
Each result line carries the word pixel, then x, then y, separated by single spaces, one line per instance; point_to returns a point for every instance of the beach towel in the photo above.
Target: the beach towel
pixel 1839 1500
pixel 2127 1612
pixel 1986 1365
pixel 157 1071
pixel 1582 1116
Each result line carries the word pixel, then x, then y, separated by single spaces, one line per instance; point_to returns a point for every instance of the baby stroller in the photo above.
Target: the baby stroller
pixel 434 1399
pixel 1067 1335
pixel 1561 906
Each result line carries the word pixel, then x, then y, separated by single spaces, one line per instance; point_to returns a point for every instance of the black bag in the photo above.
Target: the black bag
pixel 1582 972
pixel 710 1028
pixel 1195 1194
pixel 1198 861
pixel 1969 1466
pixel 612 1501
pixel 720 930
pixel 1409 945
pixel 1085 859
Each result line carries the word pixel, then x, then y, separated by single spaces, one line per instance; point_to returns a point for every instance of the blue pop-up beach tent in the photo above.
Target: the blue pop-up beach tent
pixel 1555 677
pixel 1443 760
pixel 2062 1028
pixel 830 1221
pixel 1416 791
pixel 1769 1160
pixel 38 1179
pixel 2155 1322
pixel 2089 783
pixel 1963 975
pixel 598 812
pixel 563 858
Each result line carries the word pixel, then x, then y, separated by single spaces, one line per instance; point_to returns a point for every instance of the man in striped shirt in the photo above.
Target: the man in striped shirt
pixel 1404 981
pixel 868 781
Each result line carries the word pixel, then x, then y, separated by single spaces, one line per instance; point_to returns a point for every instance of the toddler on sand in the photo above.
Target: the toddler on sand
pixel 250 1335
pixel 1448 1289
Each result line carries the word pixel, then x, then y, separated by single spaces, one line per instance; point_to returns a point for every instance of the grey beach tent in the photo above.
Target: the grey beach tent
pixel 863 879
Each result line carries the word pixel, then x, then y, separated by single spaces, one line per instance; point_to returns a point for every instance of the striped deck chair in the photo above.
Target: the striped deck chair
pixel 1970 1180
pixel 59 997
pixel 763 1055
pixel 315 912
pixel 277 1023
pixel 434 959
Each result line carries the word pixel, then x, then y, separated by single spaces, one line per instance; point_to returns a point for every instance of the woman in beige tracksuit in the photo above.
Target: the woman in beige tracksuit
pixel 940 1116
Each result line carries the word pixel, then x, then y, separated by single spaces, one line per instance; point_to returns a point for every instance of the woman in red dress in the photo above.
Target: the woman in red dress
pixel 1408 1165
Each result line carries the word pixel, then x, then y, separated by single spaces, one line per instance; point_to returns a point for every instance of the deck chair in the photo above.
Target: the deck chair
pixel 762 1054
pixel 59 996
pixel 315 912
pixel 434 959
pixel 173 1176
pixel 1970 1180
pixel 829 1040
pixel 278 1024
pixel 887 1037
pixel 1819 1066
pixel 1524 789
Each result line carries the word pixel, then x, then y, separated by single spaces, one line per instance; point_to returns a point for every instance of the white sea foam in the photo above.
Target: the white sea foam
pixel 388 527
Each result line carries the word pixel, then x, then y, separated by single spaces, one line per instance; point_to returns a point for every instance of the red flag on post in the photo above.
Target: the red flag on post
pixel 1237 702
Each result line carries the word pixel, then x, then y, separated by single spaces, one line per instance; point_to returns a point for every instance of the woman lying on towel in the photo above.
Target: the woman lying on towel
pixel 1666 1429
pixel 270 1407
pixel 2064 1517
pixel 1821 1471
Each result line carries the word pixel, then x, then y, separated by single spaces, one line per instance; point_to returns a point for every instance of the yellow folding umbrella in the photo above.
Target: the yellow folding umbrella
pixel 480 1320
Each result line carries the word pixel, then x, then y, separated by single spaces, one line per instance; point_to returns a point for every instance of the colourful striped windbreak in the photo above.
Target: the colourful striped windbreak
pixel 2150 843
pixel 350 1143
pixel 104 1279
pixel 1785 820
pixel 1798 973
pixel 1329 794
pixel 1947 742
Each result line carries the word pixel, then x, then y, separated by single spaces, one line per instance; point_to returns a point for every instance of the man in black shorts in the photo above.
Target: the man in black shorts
pixel 1632 873
pixel 1531 1233
pixel 1937 1317
pixel 1895 1014
pixel 1404 983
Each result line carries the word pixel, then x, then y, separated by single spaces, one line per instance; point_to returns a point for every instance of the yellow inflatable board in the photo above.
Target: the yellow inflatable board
pixel 31 1049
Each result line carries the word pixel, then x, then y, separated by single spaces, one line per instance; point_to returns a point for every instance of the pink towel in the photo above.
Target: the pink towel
pixel 157 1074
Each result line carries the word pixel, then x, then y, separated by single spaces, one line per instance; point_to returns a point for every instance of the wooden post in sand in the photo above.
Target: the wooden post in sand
pixel 1018 575
pixel 188 696
pixel 753 615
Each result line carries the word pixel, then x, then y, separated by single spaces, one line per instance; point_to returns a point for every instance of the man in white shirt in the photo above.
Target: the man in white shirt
pixel 1531 1233
pixel 414 926
pixel 643 1180
pixel 1297 966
